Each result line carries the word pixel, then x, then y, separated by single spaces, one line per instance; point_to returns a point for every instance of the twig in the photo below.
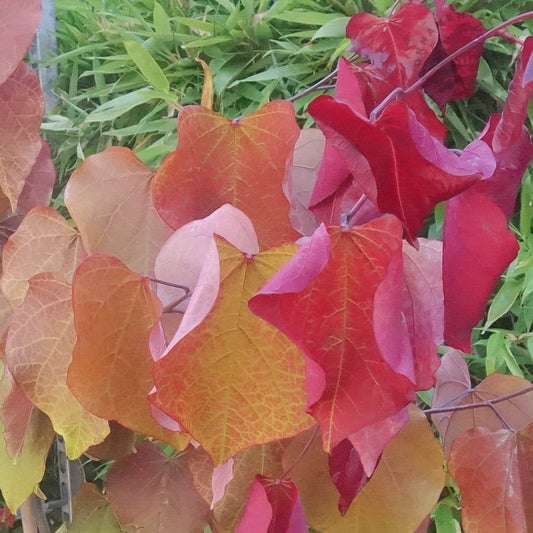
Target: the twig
pixel 486 403
pixel 315 87
pixel 346 217
pixel 170 284
pixel 417 84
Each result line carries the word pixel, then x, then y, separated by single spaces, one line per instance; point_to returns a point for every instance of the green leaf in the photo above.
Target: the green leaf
pixel 334 28
pixel 147 65
pixel 444 520
pixel 309 18
pixel 120 105
pixel 161 23
pixel 504 300
pixel 495 352
pixel 275 73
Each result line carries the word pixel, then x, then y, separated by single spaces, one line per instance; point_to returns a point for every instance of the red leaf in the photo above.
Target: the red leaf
pixel 240 161
pixel 272 508
pixel 457 79
pixel 411 176
pixel 18 23
pixel 347 473
pixel 495 475
pixel 397 45
pixel 322 301
pixel 477 247
pixel 423 307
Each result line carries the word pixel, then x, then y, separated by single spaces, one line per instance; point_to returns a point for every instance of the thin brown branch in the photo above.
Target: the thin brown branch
pixel 170 284
pixel 486 403
pixel 170 307
pixel 315 87
pixel 417 84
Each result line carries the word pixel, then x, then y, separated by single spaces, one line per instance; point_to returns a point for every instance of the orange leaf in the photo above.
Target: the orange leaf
pixel 240 161
pixel 495 474
pixel 394 499
pixel 235 381
pixel 21 109
pixel 109 197
pixel 44 242
pixel 153 492
pixel 110 374
pixel 38 352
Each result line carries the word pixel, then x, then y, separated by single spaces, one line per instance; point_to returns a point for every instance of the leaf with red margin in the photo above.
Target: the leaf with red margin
pixel 453 389
pixel 18 23
pixel 38 352
pixel 44 242
pixel 397 45
pixel 394 499
pixel 272 507
pixel 235 381
pixel 457 79
pixel 21 473
pixel 240 161
pixel 153 492
pixel 409 183
pixel 477 247
pixel 21 109
pixel 109 198
pixel 494 471
pixel 423 307
pixel 114 313
pixel 323 301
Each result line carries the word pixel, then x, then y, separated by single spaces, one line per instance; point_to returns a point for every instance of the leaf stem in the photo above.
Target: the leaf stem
pixel 346 217
pixel 486 403
pixel 418 83
pixel 169 307
pixel 315 87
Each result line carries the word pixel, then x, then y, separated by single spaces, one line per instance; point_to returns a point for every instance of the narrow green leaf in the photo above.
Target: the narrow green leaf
pixel 495 352
pixel 275 73
pixel 147 65
pixel 309 18
pixel 161 22
pixel 334 28
pixel 504 300
pixel 120 105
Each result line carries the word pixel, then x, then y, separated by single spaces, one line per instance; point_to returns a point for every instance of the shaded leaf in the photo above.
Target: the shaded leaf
pixel 119 443
pixel 453 389
pixel 349 385
pixel 235 381
pixel 38 352
pixel 495 496
pixel 109 198
pixel 18 23
pixel 21 109
pixel 44 242
pixel 392 500
pixel 114 314
pixel 477 248
pixel 91 512
pixel 240 161
pixel 155 493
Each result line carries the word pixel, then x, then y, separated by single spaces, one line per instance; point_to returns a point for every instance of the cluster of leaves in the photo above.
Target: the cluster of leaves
pixel 282 377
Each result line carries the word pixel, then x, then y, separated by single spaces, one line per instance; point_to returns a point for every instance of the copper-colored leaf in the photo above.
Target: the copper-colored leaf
pixel 235 381
pixel 495 475
pixel 18 23
pixel 109 198
pixel 394 499
pixel 240 161
pixel 114 314
pixel 155 493
pixel 119 443
pixel 20 474
pixel 38 352
pixel 44 242
pixel 453 389
pixel 21 109
pixel 324 302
